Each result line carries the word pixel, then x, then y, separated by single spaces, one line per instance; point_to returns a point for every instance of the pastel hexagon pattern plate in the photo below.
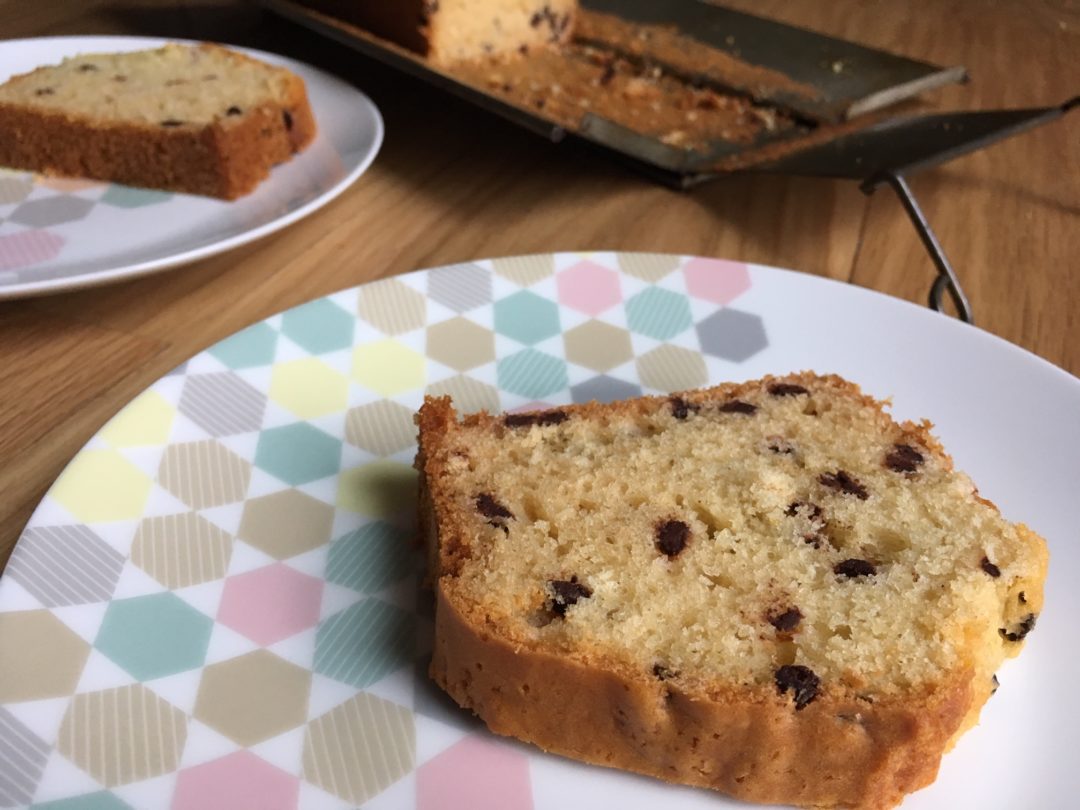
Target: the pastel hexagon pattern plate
pixel 216 605
pixel 60 233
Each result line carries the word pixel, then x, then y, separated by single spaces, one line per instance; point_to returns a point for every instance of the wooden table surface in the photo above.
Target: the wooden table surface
pixel 455 184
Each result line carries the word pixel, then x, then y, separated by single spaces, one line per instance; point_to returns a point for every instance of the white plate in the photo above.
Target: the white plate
pixel 230 549
pixel 58 234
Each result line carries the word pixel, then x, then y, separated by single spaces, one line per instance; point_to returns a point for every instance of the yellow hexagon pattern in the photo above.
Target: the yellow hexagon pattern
pixel 388 368
pixel 380 489
pixel 146 421
pixel 101 485
pixel 308 388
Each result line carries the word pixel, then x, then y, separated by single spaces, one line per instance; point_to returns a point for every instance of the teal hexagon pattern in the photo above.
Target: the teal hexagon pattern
pixel 102 800
pixel 532 374
pixel 526 317
pixel 365 643
pixel 298 453
pixel 319 326
pixel 254 346
pixel 154 636
pixel 658 313
pixel 128 197
pixel 370 558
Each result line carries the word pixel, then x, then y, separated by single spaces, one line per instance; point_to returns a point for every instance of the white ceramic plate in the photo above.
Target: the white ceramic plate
pixel 215 606
pixel 59 234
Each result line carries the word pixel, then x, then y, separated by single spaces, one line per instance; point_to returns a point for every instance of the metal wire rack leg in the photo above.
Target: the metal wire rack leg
pixel 946 280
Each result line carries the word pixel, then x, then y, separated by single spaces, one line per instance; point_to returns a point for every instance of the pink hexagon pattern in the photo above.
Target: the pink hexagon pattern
pixel 477 774
pixel 589 288
pixel 28 247
pixel 240 781
pixel 716 280
pixel 271 603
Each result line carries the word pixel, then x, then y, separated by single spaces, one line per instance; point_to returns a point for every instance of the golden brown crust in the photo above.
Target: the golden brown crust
pixel 837 752
pixel 225 159
pixel 841 750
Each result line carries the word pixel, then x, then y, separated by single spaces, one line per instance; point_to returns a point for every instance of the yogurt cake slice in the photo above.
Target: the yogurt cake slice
pixel 196 119
pixel 771 589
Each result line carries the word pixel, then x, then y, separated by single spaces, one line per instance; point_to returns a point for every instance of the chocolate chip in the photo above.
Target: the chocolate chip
pixel 809 510
pixel 44 91
pixel 681 409
pixel 427 9
pixel 607 75
pixel 786 390
pixel 1022 598
pixel 507 87
pixel 780 445
pixel 787 621
pixel 854 568
pixel 539 103
pixel 287 118
pixel 671 537
pixel 904 458
pixel 523 49
pixel 234 110
pixel 990 568
pixel 738 406
pixel 799 680
pixel 566 594
pixel 87 68
pixel 494 511
pixel 845 483
pixel 663 673
pixel 536 19
pixel 172 122
pixel 1022 629
pixel 542 418
pixel 994 680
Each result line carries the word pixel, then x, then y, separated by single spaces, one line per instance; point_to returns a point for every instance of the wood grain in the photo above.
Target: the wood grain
pixel 454 184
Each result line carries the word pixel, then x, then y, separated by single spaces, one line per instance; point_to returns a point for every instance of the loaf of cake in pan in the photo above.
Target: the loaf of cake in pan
pixel 450 31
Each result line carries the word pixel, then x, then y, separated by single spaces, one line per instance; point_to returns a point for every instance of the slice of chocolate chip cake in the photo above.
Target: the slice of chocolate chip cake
pixel 771 589
pixel 200 119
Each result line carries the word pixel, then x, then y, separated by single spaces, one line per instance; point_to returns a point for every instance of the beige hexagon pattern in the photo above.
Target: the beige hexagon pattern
pixel 469 395
pixel 254 697
pixel 360 748
pixel 44 658
pixel 14 189
pixel 286 523
pixel 598 345
pixel 672 368
pixel 204 474
pixel 123 735
pixel 382 427
pixel 460 344
pixel 649 267
pixel 181 550
pixel 391 306
pixel 525 270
